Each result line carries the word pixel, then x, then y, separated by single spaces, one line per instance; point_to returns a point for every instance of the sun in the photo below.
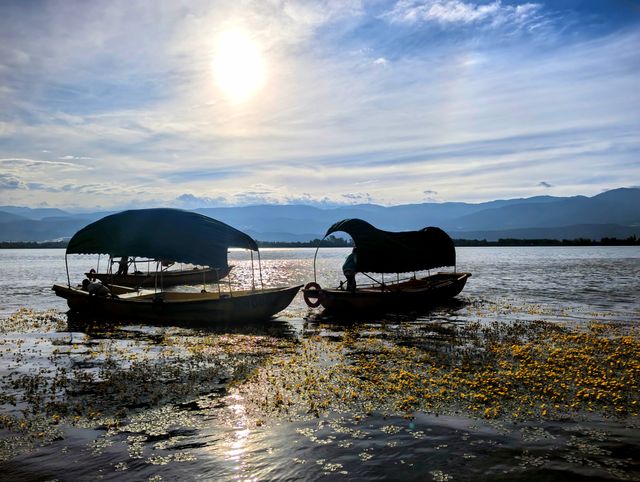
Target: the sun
pixel 238 65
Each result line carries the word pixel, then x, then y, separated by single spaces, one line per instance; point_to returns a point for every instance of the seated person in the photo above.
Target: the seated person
pixel 95 288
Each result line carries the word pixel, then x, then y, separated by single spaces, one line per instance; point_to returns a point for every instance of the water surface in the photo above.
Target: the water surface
pixel 165 403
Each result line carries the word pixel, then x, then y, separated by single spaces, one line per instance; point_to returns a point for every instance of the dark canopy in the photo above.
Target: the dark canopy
pixel 163 234
pixel 388 252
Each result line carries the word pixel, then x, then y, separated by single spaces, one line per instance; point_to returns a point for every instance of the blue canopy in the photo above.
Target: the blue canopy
pixel 163 234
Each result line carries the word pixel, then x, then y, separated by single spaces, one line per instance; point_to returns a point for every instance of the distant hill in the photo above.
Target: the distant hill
pixel 37 213
pixel 614 213
pixel 620 206
pixel 6 217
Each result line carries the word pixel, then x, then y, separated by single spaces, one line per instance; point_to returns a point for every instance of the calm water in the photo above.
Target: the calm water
pixel 581 279
pixel 218 439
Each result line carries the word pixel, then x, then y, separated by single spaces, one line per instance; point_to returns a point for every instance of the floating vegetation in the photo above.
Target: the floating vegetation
pixel 352 395
pixel 142 382
pixel 521 370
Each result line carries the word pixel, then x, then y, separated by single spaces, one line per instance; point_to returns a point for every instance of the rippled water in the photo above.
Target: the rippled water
pixel 194 425
pixel 583 279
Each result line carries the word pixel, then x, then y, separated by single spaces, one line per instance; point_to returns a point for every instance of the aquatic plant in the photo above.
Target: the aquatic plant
pixel 519 370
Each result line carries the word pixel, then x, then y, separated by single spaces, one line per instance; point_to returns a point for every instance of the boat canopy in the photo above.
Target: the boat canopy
pixel 162 234
pixel 397 252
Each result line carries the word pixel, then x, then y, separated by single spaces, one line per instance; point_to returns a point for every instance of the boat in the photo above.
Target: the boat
pixel 163 234
pixel 242 306
pixel 161 277
pixel 385 252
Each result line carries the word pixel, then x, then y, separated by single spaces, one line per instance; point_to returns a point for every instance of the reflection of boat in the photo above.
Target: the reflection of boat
pixel 164 278
pixel 177 235
pixel 392 252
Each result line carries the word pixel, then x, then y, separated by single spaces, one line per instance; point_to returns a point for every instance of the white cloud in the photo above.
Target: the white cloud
pixel 460 12
pixel 36 163
pixel 190 201
pixel 329 120
pixel 77 158
pixel 358 198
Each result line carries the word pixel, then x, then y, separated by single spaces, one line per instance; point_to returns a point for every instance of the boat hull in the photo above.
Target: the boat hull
pixel 168 278
pixel 169 307
pixel 412 295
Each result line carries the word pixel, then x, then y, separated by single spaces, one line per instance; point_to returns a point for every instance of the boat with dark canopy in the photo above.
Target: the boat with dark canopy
pixel 170 234
pixel 385 252
pixel 140 272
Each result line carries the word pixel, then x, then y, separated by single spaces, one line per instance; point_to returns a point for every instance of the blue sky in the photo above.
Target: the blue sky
pixel 114 104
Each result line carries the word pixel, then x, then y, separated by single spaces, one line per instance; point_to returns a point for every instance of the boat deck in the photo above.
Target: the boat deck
pixel 129 294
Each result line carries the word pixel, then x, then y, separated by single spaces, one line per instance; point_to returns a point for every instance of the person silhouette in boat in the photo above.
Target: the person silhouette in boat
pixel 95 288
pixel 349 269
pixel 123 265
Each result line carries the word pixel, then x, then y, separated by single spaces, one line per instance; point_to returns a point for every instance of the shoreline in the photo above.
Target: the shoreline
pixel 340 243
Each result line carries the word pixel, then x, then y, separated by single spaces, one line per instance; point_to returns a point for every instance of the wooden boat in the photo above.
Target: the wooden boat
pixel 165 278
pixel 414 294
pixel 380 251
pixel 185 237
pixel 173 306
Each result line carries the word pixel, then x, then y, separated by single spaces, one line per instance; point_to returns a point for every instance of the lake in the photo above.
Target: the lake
pixel 296 398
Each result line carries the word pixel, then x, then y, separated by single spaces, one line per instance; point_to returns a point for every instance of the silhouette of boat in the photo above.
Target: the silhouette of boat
pixel 182 236
pixel 385 252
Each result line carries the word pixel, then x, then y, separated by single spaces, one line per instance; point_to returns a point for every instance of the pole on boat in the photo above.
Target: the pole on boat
pixel 372 279
pixel 253 278
pixel 314 260
pixel 110 269
pixel 229 279
pixel 217 278
pixel 66 263
pixel 260 270
pixel 155 278
pixel 98 267
pixel 204 279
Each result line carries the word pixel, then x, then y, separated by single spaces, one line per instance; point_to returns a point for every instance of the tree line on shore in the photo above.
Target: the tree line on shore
pixel 335 242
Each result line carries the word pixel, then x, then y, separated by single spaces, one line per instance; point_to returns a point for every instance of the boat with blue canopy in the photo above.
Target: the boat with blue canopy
pixel 180 236
pixel 402 254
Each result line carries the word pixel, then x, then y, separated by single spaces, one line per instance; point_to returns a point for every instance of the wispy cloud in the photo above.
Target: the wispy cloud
pixel 30 163
pixel 189 201
pixel 110 103
pixel 461 12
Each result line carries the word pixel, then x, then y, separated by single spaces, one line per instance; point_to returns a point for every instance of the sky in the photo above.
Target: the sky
pixel 118 104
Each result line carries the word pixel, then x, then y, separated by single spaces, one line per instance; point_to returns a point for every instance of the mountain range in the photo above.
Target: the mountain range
pixel 614 213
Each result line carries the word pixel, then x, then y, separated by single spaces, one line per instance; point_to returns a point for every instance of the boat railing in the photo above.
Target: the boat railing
pixel 402 282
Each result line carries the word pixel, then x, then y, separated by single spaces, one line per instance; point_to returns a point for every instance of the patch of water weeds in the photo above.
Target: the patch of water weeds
pixel 139 382
pixel 518 378
pixel 515 371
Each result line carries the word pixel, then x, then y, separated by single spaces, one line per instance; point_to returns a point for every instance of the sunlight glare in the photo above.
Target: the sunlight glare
pixel 238 65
